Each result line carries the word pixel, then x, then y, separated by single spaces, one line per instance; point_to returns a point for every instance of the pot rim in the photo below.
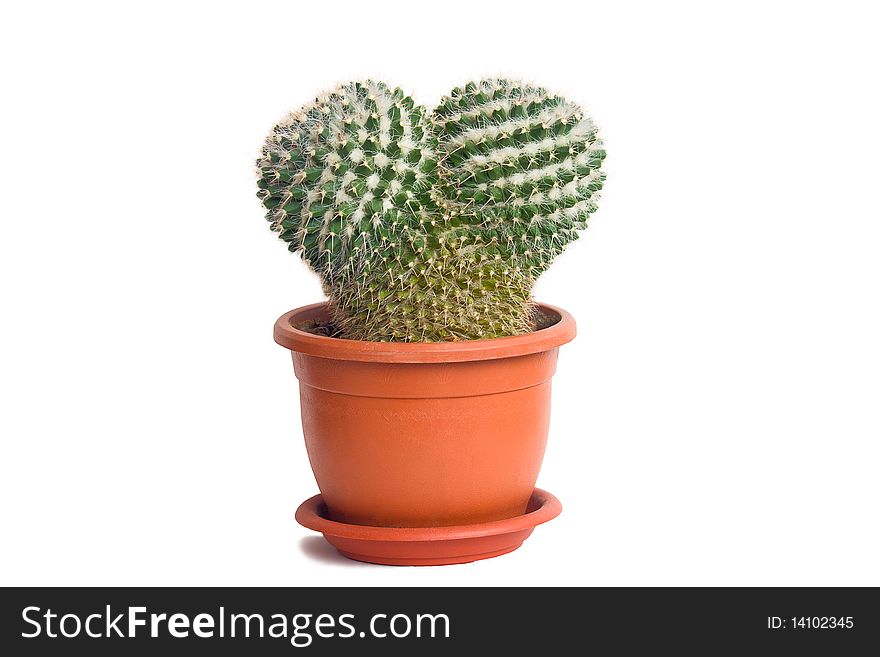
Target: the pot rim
pixel 560 332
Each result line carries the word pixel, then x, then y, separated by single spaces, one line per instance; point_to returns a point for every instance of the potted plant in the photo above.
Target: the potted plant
pixel 425 377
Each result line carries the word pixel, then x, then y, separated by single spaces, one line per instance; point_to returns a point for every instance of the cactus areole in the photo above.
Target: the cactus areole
pixel 431 226
pixel 425 377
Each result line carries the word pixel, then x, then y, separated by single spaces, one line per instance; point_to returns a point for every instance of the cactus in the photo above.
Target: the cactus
pixel 431 227
pixel 520 166
pixel 343 179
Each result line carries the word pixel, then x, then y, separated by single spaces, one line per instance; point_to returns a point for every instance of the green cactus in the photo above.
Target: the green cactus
pixel 344 179
pixel 520 166
pixel 431 228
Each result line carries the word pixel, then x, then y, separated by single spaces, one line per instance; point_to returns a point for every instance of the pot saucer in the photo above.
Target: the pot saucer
pixel 428 546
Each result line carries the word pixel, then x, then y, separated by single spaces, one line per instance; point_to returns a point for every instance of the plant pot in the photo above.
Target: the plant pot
pixel 424 434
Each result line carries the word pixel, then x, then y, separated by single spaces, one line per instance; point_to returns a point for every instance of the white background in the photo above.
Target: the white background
pixel 716 421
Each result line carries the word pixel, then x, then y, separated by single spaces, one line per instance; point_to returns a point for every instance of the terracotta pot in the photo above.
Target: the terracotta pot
pixel 424 434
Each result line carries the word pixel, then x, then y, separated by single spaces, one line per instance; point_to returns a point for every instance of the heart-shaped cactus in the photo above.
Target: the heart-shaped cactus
pixel 431 227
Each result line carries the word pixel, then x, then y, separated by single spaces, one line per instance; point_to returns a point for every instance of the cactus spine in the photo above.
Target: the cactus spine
pixel 431 227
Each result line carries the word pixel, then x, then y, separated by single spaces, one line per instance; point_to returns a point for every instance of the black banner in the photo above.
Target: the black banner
pixel 333 621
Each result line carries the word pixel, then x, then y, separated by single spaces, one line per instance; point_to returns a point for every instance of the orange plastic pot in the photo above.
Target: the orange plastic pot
pixel 424 434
